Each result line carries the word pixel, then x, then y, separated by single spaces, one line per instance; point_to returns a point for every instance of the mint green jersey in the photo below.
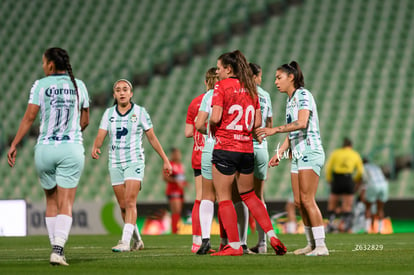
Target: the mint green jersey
pixel 205 106
pixel 125 133
pixel 59 108
pixel 308 138
pixel 266 111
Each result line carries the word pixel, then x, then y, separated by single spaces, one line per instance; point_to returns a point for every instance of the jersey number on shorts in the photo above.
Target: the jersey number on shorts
pixel 239 109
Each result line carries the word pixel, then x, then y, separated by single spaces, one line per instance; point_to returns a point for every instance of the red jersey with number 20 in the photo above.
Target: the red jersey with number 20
pixel 234 132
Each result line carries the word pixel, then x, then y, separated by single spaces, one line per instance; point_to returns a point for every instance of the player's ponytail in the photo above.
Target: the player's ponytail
pixel 241 69
pixel 294 69
pixel 211 78
pixel 256 69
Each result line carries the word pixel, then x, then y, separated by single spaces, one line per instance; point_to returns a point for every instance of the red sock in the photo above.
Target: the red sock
pixel 175 218
pixel 229 220
pixel 195 218
pixel 223 233
pixel 258 210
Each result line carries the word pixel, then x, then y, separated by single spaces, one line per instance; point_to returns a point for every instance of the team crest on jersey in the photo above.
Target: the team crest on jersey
pixel 134 118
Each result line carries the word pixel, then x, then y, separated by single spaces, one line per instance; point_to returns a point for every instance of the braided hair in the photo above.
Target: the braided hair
pixel 60 58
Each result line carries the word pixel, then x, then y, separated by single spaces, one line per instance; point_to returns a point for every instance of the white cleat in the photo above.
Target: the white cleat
pixel 56 259
pixel 319 251
pixel 121 247
pixel 137 245
pixel 303 251
pixel 259 249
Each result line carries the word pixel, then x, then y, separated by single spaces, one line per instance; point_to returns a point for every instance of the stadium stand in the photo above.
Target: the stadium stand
pixel 356 56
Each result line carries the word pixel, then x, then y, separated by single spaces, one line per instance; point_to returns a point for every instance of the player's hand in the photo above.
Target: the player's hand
pixel 167 168
pixel 275 160
pixel 265 132
pixel 11 156
pixel 95 153
pixel 256 137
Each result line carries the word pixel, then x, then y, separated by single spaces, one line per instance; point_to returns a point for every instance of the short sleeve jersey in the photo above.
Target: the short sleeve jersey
pixel 197 136
pixel 373 175
pixel 308 138
pixel 60 106
pixel 178 173
pixel 234 132
pixel 265 108
pixel 125 133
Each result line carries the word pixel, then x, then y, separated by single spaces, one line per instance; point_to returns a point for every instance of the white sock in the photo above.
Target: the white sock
pixel 197 239
pixel 261 235
pixel 309 236
pixel 380 223
pixel 206 218
pixel 135 234
pixel 63 225
pixel 270 234
pixel 50 225
pixel 235 245
pixel 127 232
pixel 291 227
pixel 319 235
pixel 368 223
pixel 242 220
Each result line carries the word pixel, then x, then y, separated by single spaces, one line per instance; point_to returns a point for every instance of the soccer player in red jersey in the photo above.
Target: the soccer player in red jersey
pixel 235 113
pixel 175 188
pixel 191 131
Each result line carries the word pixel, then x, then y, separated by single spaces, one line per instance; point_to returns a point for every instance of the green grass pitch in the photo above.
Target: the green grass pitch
pixel 169 254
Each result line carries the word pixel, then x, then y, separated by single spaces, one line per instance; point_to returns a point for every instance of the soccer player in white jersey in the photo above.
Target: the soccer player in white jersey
pixel 208 194
pixel 261 158
pixel 63 103
pixel 125 123
pixel 304 144
pixel 376 192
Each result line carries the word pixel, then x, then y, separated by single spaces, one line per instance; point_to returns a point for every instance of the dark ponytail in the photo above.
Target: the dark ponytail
pixel 293 68
pixel 60 58
pixel 256 69
pixel 237 61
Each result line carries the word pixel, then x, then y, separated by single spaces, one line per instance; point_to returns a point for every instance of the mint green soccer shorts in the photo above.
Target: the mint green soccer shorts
pixel 261 160
pixel 308 160
pixel 376 192
pixel 206 155
pixel 60 165
pixel 132 171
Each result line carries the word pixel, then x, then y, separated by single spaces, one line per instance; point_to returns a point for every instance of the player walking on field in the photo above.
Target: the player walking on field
pixel 235 113
pixel 63 103
pixel 126 122
pixel 304 144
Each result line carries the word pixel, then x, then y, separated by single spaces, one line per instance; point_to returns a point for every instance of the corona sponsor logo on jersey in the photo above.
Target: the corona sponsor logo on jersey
pixel 53 91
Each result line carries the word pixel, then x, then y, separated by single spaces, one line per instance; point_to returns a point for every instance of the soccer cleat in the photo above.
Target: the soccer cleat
pixel 222 246
pixel 303 251
pixel 195 248
pixel 319 251
pixel 137 245
pixel 56 259
pixel 229 251
pixel 259 249
pixel 278 246
pixel 121 247
pixel 246 250
pixel 205 248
